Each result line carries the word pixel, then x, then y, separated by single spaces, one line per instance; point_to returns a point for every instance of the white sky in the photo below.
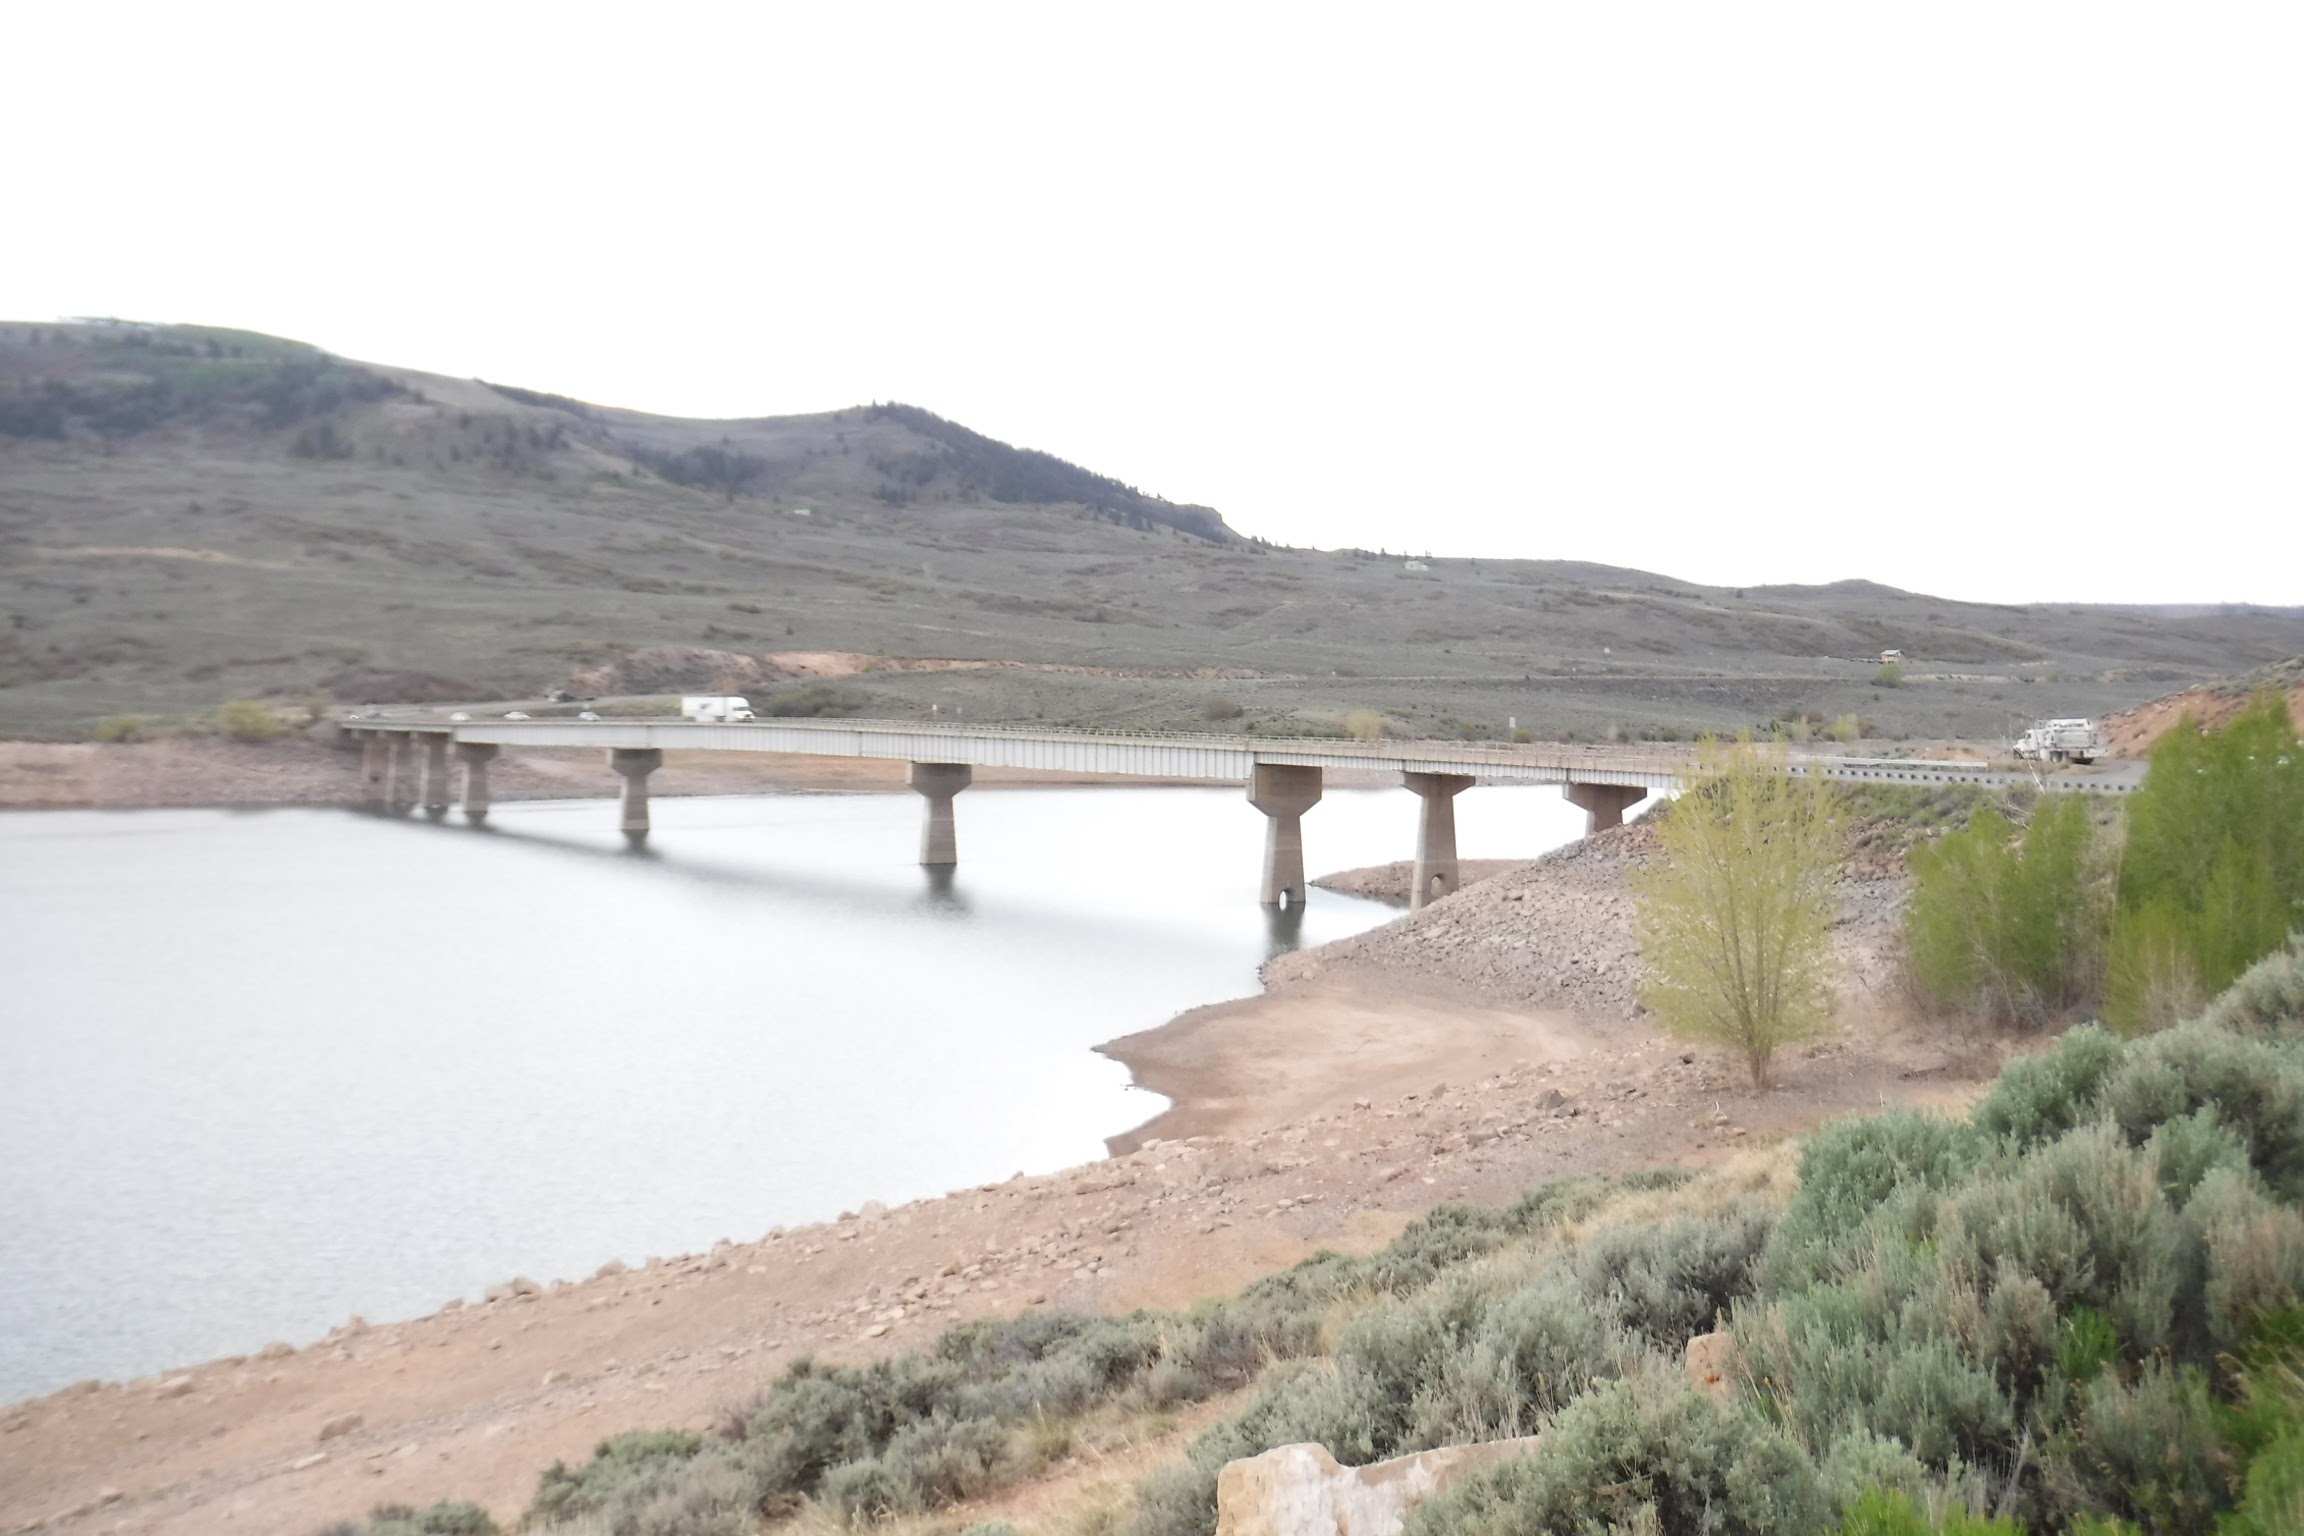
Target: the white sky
pixel 1997 300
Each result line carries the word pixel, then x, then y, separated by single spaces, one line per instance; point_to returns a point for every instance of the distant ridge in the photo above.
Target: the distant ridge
pixel 193 514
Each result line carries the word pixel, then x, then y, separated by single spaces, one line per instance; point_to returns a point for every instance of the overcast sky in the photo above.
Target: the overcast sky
pixel 2002 301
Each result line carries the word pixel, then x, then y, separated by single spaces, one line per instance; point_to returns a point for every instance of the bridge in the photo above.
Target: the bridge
pixel 407 762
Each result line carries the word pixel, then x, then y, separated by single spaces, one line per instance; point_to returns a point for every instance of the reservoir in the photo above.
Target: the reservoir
pixel 264 1070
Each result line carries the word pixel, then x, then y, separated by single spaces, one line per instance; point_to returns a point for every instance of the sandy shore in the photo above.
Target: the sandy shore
pixel 1233 1069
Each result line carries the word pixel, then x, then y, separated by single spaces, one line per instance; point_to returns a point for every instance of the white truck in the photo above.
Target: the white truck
pixel 2061 741
pixel 716 708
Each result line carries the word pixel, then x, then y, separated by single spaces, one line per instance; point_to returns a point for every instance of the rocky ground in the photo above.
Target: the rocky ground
pixel 1467 1051
pixel 1557 935
pixel 1395 883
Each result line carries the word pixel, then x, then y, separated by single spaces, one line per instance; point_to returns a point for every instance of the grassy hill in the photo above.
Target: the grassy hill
pixel 190 514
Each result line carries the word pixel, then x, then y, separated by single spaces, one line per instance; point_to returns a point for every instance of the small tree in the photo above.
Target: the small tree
pixel 1733 921
pixel 2212 877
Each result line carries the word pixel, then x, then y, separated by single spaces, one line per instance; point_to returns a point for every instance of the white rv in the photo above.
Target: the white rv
pixel 716 708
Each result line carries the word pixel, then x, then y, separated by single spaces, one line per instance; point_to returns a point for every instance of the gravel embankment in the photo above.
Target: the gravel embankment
pixel 1558 933
pixel 1394 883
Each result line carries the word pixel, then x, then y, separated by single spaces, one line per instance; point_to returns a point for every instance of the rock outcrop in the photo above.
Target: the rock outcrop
pixel 1301 1490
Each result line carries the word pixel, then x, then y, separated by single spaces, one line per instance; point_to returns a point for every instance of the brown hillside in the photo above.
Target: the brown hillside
pixel 2132 732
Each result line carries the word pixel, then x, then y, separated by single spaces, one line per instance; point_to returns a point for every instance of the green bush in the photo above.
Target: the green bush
pixel 2212 877
pixel 2007 922
pixel 119 728
pixel 248 720
pixel 1882 1513
pixel 1890 675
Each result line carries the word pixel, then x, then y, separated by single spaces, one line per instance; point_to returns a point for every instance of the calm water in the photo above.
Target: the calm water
pixel 263 1070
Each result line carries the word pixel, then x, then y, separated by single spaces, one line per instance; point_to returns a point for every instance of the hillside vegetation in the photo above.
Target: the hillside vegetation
pixel 189 515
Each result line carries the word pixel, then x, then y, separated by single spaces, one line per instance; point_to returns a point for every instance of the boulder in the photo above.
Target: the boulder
pixel 340 1426
pixel 1301 1490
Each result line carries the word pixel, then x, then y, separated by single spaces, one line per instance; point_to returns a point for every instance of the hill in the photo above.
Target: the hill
pixel 2132 732
pixel 191 514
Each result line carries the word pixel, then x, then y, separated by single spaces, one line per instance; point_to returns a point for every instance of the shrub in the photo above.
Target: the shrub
pixel 446 1518
pixel 2146 1451
pixel 1668 1282
pixel 119 728
pixel 1733 920
pixel 2038 1098
pixel 1847 1171
pixel 2268 998
pixel 1218 707
pixel 811 701
pixel 1641 1455
pixel 2212 878
pixel 642 1463
pixel 2007 922
pixel 1889 676
pixel 1847 728
pixel 1364 725
pixel 2255 1088
pixel 1882 1513
pixel 248 720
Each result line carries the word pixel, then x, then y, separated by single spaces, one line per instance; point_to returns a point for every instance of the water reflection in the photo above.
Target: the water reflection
pixel 359 1066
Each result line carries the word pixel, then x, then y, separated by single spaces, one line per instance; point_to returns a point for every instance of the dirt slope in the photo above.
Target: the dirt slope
pixel 2132 732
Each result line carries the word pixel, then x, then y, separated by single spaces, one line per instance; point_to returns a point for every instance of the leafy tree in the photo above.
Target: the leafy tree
pixel 2212 878
pixel 1733 920
pixel 2006 920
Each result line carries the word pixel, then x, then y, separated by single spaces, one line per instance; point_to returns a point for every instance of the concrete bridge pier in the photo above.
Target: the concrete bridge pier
pixel 1283 793
pixel 476 756
pixel 372 761
pixel 939 782
pixel 1604 805
pixel 1437 873
pixel 400 772
pixel 435 793
pixel 635 763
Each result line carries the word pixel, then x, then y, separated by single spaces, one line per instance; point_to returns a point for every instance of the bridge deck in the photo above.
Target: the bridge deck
pixel 1160 756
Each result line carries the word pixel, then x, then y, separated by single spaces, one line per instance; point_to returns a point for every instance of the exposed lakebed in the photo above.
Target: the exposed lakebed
pixel 263 1070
